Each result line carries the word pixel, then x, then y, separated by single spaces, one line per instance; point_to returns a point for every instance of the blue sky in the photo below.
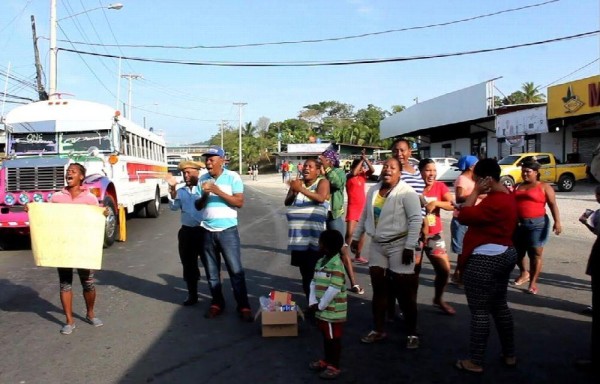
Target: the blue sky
pixel 188 102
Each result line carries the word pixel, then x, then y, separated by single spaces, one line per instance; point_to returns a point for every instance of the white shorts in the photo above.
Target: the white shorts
pixel 389 256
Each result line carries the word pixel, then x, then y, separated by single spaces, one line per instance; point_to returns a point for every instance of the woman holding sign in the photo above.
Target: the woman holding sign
pixel 76 193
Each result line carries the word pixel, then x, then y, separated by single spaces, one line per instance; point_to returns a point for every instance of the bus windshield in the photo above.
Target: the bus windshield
pixel 33 143
pixel 82 141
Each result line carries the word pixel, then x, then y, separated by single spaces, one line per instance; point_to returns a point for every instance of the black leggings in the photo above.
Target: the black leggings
pixel 86 276
pixel 486 281
pixel 306 261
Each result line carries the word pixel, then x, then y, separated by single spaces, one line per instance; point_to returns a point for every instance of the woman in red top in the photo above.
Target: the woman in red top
pixel 356 180
pixel 532 196
pixel 486 262
pixel 437 196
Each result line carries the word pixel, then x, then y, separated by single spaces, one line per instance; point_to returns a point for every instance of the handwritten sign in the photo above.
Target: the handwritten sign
pixel 67 235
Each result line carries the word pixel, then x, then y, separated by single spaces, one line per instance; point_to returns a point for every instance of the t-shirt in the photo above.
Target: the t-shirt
pixel 436 193
pixel 467 184
pixel 331 273
pixel 218 215
pixel 84 197
pixel 377 207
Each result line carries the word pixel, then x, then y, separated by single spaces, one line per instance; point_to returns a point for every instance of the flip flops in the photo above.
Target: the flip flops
pixel 518 282
pixel 468 366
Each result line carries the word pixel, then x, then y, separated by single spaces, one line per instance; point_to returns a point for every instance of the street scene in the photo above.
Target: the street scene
pixel 300 192
pixel 149 337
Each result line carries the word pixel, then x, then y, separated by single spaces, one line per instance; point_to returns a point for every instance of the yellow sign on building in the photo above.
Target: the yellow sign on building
pixel 579 97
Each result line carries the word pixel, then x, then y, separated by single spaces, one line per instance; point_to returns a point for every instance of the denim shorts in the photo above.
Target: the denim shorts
pixel 532 233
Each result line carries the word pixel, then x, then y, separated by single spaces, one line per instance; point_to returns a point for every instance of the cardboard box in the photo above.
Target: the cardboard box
pixel 279 323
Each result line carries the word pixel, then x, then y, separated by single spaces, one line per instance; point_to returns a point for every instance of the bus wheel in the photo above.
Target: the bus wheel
pixel 153 206
pixel 110 230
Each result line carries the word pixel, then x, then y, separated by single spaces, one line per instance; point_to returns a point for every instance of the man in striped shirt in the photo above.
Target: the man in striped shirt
pixel 222 196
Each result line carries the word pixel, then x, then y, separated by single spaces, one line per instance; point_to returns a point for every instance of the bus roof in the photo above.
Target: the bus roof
pixel 67 116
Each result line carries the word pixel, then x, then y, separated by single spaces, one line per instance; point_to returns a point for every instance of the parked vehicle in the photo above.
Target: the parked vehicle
pixel 126 164
pixel 447 169
pixel 378 166
pixel 563 175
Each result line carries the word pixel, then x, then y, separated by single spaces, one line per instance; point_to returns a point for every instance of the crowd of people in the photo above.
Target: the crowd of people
pixel 397 221
pixel 389 227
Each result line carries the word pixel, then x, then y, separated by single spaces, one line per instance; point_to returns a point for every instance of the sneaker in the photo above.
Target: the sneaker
pixel 330 373
pixel 96 322
pixel 67 329
pixel 373 337
pixel 213 311
pixel 357 289
pixel 246 315
pixel 191 300
pixel 317 366
pixel 412 342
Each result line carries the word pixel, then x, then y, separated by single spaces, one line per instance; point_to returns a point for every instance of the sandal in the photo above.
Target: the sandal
pixel 509 361
pixel 373 337
pixel 330 373
pixel 357 289
pixel 532 291
pixel 318 366
pixel 518 282
pixel 468 366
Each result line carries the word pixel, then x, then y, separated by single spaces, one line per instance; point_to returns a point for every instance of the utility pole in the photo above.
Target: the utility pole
pixel 240 106
pixel 222 125
pixel 130 76
pixel 38 65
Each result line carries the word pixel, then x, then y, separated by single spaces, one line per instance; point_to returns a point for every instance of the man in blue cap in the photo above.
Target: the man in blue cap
pixel 222 196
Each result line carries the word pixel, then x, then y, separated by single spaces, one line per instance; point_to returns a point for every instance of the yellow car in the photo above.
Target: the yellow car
pixel 563 175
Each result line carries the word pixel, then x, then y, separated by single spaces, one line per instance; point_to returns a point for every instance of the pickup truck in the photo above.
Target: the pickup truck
pixel 563 175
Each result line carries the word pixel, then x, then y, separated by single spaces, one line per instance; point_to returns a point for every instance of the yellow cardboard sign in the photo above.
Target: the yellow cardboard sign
pixel 67 235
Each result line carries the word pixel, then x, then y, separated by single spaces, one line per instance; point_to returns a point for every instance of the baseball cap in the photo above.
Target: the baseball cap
pixel 214 150
pixel 191 164
pixel 467 162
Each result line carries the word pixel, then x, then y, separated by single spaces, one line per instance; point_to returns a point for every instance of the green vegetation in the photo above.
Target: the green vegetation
pixel 327 121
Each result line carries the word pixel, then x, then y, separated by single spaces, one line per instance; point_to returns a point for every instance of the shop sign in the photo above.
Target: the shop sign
pixel 576 98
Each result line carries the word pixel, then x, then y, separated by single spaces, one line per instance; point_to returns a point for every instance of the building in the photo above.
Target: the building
pixel 574 111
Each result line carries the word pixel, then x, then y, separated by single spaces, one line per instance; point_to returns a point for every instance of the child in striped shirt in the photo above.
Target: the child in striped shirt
pixel 328 299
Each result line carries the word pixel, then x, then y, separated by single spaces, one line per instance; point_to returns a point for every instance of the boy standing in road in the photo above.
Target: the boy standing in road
pixel 328 299
pixel 189 247
pixel 222 196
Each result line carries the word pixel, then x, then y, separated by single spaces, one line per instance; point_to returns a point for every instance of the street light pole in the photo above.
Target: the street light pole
pixel 54 49
pixel 240 106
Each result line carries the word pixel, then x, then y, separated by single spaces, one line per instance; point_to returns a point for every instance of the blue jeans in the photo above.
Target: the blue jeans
pixel 227 244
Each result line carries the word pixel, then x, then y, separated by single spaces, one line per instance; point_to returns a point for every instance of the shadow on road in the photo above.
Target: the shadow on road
pixel 21 298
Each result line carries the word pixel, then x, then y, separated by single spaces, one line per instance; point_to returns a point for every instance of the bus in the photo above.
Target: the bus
pixel 126 164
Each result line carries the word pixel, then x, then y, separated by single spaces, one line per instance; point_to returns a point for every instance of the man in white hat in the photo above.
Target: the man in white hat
pixel 189 234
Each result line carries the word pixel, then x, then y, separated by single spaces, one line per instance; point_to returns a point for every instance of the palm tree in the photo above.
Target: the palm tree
pixel 531 93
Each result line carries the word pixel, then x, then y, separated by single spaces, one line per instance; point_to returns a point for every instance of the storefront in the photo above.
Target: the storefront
pixel 574 110
pixel 455 124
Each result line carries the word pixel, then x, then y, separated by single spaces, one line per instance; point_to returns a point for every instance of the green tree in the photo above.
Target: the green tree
pixel 532 94
pixel 398 108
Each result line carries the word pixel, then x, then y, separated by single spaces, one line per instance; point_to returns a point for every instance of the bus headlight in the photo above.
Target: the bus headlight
pixel 23 198
pixel 49 196
pixel 38 197
pixel 9 199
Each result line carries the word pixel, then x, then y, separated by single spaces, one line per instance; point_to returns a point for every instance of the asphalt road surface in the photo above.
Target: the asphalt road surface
pixel 148 337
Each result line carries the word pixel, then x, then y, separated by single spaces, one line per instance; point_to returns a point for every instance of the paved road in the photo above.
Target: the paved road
pixel 150 337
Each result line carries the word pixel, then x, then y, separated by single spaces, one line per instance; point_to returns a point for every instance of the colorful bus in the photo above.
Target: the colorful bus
pixel 126 164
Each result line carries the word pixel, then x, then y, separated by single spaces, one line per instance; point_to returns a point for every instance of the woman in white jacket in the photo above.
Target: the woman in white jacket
pixel 392 220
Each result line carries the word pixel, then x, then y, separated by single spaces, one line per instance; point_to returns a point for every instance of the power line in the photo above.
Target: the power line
pixel 333 63
pixel 575 71
pixel 312 41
